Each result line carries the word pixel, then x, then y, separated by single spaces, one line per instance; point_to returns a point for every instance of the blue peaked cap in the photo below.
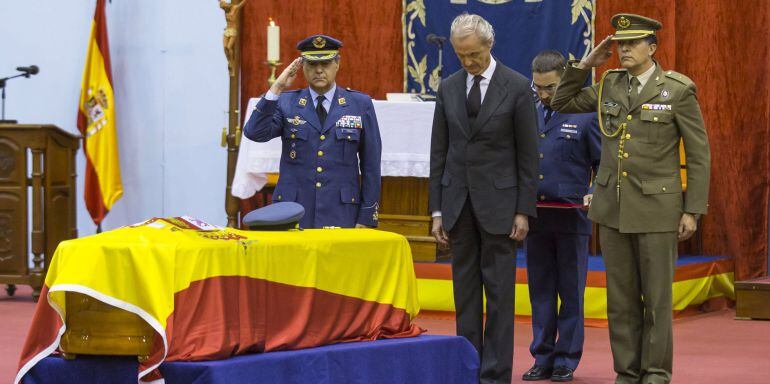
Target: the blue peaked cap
pixel 319 48
pixel 276 216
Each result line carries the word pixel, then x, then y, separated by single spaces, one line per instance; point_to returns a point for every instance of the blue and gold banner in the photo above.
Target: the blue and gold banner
pixel 523 28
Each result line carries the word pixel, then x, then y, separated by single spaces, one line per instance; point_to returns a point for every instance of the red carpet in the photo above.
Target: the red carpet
pixel 708 348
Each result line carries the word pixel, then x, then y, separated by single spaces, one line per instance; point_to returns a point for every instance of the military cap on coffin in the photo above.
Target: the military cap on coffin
pixel 631 27
pixel 319 48
pixel 276 216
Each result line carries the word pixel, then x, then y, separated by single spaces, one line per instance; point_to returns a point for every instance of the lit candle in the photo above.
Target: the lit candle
pixel 273 41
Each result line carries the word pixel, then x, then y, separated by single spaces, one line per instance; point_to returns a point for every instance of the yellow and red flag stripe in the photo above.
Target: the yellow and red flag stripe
pixel 96 123
pixel 210 293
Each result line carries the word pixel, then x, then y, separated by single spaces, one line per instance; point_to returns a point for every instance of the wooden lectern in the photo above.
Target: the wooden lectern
pixel 37 200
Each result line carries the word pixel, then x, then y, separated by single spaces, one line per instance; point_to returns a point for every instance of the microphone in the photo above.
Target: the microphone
pixel 432 38
pixel 25 72
pixel 31 70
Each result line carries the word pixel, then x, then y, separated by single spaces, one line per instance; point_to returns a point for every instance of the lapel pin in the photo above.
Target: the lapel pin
pixel 341 101
pixel 303 101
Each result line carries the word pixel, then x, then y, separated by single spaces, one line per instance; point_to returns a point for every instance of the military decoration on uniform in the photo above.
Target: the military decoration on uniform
pixel 341 101
pixel 295 121
pixel 664 94
pixel 303 101
pixel 569 128
pixel 348 121
pixel 293 154
pixel 656 107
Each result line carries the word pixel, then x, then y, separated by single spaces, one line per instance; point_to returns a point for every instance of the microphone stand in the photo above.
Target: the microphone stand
pixel 3 82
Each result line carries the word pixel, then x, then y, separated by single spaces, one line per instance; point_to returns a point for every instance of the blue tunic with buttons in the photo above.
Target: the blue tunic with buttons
pixel 333 169
pixel 569 146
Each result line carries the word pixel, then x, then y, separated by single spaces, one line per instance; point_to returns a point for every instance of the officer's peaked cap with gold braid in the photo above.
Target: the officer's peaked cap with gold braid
pixel 319 48
pixel 630 27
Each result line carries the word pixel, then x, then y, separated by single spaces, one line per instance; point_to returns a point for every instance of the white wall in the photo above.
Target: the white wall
pixel 171 90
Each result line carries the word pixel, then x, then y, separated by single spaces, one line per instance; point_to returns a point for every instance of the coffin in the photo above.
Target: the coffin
pixel 95 328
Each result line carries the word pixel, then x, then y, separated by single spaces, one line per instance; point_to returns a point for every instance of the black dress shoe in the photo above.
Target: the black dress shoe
pixel 536 373
pixel 562 373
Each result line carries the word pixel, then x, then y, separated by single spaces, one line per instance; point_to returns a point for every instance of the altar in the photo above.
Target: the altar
pixel 405 129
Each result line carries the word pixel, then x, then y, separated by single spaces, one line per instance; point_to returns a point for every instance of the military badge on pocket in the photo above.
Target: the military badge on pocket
pixel 348 121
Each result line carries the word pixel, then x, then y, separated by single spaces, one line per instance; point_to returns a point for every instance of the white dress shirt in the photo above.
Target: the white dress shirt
pixel 484 84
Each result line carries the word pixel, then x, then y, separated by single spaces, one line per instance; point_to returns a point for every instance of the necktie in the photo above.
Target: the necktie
pixel 548 114
pixel 633 91
pixel 319 108
pixel 473 104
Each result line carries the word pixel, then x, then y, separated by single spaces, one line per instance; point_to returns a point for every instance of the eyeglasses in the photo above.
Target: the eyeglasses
pixel 548 88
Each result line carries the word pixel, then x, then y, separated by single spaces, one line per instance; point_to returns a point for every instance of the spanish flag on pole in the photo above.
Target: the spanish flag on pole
pixel 96 122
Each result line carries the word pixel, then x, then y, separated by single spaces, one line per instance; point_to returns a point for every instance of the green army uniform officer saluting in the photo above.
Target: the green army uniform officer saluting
pixel 638 201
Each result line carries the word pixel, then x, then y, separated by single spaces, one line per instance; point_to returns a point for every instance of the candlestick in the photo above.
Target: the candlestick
pixel 273 65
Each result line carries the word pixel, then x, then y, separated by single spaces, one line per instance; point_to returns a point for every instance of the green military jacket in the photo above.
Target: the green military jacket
pixel 638 186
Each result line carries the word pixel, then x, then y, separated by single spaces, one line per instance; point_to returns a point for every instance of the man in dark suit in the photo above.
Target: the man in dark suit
pixel 483 181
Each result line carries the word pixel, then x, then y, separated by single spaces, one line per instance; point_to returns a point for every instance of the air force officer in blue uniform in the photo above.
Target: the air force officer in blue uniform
pixel 557 245
pixel 330 162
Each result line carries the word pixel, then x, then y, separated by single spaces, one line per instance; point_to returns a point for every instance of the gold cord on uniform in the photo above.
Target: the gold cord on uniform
pixel 620 131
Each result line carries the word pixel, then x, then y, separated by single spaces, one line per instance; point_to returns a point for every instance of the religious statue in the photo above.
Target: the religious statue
pixel 231 31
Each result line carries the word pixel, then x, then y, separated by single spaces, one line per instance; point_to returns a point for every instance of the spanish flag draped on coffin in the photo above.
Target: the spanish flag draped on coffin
pixel 210 293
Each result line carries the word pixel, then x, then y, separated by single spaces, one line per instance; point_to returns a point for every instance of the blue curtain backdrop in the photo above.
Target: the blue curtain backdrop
pixel 523 28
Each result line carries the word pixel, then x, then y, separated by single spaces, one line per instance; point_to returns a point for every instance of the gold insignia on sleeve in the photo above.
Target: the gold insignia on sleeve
pixel 341 101
pixel 623 22
pixel 319 42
